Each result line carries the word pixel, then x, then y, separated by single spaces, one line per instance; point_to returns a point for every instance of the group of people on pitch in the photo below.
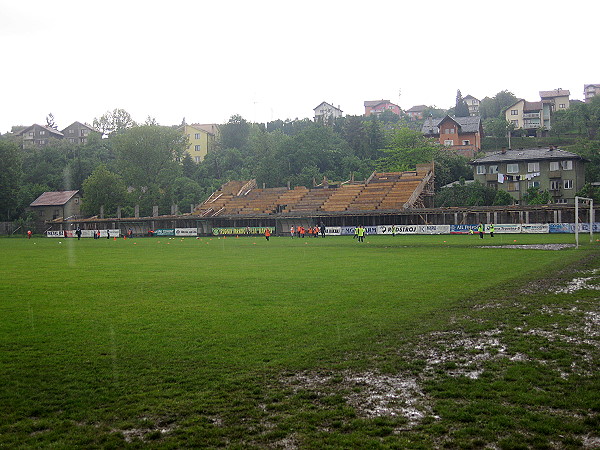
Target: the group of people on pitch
pixel 301 232
pixel 481 228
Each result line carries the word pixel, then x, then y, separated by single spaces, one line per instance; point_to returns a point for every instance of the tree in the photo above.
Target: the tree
pixel 50 121
pixel 114 121
pixel 493 108
pixel 103 188
pixel 147 158
pixel 10 178
pixel 463 194
pixel 460 109
pixel 537 196
pixel 497 127
pixel 406 149
pixel 235 133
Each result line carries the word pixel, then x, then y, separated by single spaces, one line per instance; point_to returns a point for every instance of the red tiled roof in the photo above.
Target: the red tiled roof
pixel 56 198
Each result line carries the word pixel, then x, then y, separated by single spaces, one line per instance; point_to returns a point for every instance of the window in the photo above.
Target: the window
pixel 42 132
pixel 41 213
pixel 480 170
pixel 514 112
pixel 512 168
pixel 71 131
pixel 448 142
pixel 449 131
pixel 466 142
pixel 31 134
pixel 197 148
pixel 76 200
pixel 567 165
pixel 197 159
pixel 561 200
pixel 554 185
pixel 72 140
pixel 562 105
pixel 85 132
pixel 493 169
pixel 568 184
pixel 197 136
pixel 513 186
pixel 533 184
pixel 533 167
pixel 41 142
pixel 554 165
pixel 82 140
pixel 515 123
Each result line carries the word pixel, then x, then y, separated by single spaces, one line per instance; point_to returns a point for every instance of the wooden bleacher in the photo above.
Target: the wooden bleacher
pixel 382 191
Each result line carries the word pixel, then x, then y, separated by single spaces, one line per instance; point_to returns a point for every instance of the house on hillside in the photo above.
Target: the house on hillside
pixel 77 132
pixel 200 140
pixel 472 104
pixel 326 112
pixel 416 112
pixel 38 135
pixel 462 135
pixel 557 99
pixel 515 171
pixel 377 107
pixel 532 117
pixel 56 205
pixel 590 91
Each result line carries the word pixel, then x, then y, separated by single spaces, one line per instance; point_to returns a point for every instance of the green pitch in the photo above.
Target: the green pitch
pixel 200 342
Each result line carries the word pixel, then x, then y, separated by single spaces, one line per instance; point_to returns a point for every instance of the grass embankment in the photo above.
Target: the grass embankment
pixel 243 342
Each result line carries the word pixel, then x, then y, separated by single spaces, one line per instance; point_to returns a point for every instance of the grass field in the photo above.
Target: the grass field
pixel 405 341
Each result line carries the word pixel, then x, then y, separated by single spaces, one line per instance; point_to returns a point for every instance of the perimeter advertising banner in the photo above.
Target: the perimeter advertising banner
pixel 433 229
pixel 561 228
pixel 186 232
pixel 165 232
pixel 333 231
pixel 506 228
pixel 84 233
pixel 349 231
pixel 397 229
pixel 240 231
pixel 463 229
pixel 535 228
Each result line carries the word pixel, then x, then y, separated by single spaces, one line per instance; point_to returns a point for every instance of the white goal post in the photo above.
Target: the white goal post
pixel 591 203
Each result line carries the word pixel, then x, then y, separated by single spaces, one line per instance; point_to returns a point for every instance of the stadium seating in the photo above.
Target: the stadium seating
pixel 382 191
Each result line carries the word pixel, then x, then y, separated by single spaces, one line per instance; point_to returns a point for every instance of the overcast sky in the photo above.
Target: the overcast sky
pixel 266 60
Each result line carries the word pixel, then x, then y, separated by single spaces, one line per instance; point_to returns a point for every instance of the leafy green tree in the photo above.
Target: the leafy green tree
pixel 103 188
pixel 460 109
pixel 502 198
pixel 465 194
pixel 493 108
pixel 406 149
pixel 234 134
pixel 497 127
pixel 114 121
pixel 537 196
pixel 10 178
pixel 450 167
pixel 589 191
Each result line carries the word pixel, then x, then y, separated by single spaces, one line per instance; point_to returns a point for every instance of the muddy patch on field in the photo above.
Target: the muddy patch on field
pixel 371 394
pixel 532 246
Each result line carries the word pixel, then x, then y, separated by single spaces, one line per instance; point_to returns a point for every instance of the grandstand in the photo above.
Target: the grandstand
pixel 381 191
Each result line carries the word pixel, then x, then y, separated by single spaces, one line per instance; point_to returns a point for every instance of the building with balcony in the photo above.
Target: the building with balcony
pixel 38 135
pixel 515 171
pixel 462 135
pixel 532 117
pixel 78 133
pixel 557 99
pixel 590 91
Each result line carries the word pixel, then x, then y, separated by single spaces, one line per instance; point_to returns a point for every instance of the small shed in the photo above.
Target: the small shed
pixel 56 205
